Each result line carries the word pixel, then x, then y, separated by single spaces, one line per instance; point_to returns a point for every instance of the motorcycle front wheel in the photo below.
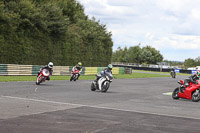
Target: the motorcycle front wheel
pixel 71 78
pixel 175 93
pixel 105 87
pixel 39 79
pixel 75 77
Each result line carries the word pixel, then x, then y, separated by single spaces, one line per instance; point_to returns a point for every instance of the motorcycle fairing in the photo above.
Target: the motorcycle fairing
pixel 100 81
pixel 188 92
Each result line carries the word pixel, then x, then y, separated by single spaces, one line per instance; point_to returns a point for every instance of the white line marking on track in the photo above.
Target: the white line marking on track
pixel 35 89
pixel 82 105
pixel 44 101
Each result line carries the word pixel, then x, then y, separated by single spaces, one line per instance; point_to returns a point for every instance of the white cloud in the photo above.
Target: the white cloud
pixel 169 18
pixel 173 41
pixel 164 24
pixel 195 14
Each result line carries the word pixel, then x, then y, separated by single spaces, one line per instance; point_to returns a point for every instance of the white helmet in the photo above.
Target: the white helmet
pixel 50 65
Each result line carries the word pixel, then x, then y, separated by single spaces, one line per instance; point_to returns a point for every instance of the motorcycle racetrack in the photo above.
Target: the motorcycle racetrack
pixel 129 106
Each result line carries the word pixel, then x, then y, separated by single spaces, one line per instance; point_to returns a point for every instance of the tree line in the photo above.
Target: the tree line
pixel 192 62
pixel 137 54
pixel 38 31
pixel 148 55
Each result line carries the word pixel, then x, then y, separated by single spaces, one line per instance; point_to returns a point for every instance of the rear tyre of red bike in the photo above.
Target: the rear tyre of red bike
pixel 195 96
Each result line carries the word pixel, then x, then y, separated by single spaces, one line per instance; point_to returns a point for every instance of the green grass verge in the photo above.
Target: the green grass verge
pixel 140 75
pixel 83 77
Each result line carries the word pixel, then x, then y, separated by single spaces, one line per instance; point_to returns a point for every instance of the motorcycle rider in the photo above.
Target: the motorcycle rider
pixel 78 67
pixel 49 67
pixel 104 72
pixel 192 78
pixel 107 70
pixel 172 71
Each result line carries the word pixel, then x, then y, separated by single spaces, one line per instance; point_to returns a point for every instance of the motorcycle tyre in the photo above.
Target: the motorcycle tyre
pixel 174 75
pixel 104 88
pixel 39 81
pixel 71 78
pixel 175 93
pixel 194 99
pixel 93 87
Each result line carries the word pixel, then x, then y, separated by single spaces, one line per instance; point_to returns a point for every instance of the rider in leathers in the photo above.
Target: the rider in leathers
pixel 192 78
pixel 104 72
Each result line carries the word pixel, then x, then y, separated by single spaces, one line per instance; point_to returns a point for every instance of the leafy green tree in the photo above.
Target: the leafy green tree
pixel 39 31
pixel 197 61
pixel 150 55
pixel 134 54
pixel 189 63
pixel 146 55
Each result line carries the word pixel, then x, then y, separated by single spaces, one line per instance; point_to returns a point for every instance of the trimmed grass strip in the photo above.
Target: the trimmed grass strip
pixel 82 77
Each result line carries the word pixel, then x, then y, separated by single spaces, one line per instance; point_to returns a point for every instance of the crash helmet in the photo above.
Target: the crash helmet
pixel 110 66
pixel 50 65
pixel 80 64
pixel 197 73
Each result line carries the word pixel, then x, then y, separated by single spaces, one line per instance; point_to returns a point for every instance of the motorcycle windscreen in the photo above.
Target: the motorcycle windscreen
pixel 110 76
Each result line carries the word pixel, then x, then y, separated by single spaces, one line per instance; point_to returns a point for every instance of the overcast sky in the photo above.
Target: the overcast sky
pixel 170 26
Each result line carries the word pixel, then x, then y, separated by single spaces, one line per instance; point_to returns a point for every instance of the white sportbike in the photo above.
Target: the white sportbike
pixel 103 82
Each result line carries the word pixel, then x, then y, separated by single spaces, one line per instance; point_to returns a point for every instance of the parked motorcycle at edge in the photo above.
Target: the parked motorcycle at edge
pixel 103 83
pixel 191 92
pixel 42 76
pixel 74 74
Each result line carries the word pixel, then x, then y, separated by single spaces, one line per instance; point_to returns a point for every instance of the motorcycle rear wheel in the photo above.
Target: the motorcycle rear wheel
pixel 175 93
pixel 93 87
pixel 195 97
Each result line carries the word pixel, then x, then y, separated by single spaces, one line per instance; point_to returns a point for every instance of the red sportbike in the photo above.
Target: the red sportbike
pixel 191 92
pixel 74 74
pixel 42 76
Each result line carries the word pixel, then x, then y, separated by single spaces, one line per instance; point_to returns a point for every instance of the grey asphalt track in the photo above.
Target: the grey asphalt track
pixel 129 106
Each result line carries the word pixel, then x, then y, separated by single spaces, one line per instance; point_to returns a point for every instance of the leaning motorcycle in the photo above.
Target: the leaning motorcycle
pixel 74 74
pixel 42 76
pixel 103 82
pixel 173 74
pixel 191 92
